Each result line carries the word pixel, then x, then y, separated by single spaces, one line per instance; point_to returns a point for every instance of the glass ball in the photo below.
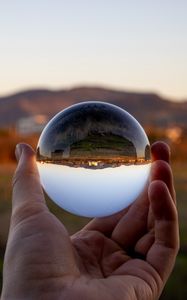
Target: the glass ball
pixel 93 159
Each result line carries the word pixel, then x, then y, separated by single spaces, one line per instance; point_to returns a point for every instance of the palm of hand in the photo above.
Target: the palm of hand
pixel 111 272
pixel 89 265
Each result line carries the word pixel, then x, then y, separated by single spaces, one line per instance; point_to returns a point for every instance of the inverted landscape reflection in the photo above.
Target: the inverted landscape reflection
pixel 93 158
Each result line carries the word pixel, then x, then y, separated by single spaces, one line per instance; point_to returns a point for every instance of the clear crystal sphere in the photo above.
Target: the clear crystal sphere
pixel 93 159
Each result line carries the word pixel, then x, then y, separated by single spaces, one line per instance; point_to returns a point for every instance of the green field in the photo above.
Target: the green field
pixel 176 288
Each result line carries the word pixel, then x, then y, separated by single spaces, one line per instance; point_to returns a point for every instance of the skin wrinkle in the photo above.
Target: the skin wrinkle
pixel 18 175
pixel 112 256
pixel 142 296
pixel 143 271
pixel 80 252
pixel 19 218
pixel 28 173
pixel 155 283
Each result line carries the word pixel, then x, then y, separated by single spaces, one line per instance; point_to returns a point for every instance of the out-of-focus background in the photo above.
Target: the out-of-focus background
pixel 129 53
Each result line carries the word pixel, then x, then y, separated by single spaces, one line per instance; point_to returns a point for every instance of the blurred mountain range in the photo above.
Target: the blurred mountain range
pixel 148 108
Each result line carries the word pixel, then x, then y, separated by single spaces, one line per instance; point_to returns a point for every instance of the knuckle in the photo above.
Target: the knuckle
pixel 22 174
pixel 24 212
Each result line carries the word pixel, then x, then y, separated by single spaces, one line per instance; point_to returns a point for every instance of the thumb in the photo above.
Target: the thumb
pixel 28 197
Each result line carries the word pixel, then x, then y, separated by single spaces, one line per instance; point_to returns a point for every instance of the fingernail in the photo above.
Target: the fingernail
pixel 18 151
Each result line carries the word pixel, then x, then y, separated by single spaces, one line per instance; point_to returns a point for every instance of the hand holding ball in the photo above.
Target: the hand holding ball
pixel 93 159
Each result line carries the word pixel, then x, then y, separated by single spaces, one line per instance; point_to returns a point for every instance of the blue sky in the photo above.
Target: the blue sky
pixel 127 45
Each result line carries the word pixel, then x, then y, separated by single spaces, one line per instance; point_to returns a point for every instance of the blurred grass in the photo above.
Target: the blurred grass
pixel 176 288
pixel 180 179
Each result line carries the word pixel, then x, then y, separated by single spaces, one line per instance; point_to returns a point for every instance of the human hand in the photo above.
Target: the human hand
pixel 125 256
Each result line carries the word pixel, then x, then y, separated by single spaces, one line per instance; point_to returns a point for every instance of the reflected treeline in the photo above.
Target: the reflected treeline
pixel 93 135
pixel 97 151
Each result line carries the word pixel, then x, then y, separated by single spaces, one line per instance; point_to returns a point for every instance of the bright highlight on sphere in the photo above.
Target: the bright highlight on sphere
pixel 93 159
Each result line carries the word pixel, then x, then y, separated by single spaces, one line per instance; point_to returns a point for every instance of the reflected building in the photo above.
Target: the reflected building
pixel 57 155
pixel 147 153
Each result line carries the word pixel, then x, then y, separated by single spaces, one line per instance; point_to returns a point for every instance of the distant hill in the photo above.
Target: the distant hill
pixel 149 109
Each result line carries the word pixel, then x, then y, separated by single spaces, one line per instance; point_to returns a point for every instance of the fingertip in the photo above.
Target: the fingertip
pixel 23 149
pixel 160 151
pixel 161 201
pixel 156 188
pixel 161 170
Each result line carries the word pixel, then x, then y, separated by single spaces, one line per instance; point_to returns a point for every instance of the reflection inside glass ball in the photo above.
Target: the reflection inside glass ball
pixel 93 159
